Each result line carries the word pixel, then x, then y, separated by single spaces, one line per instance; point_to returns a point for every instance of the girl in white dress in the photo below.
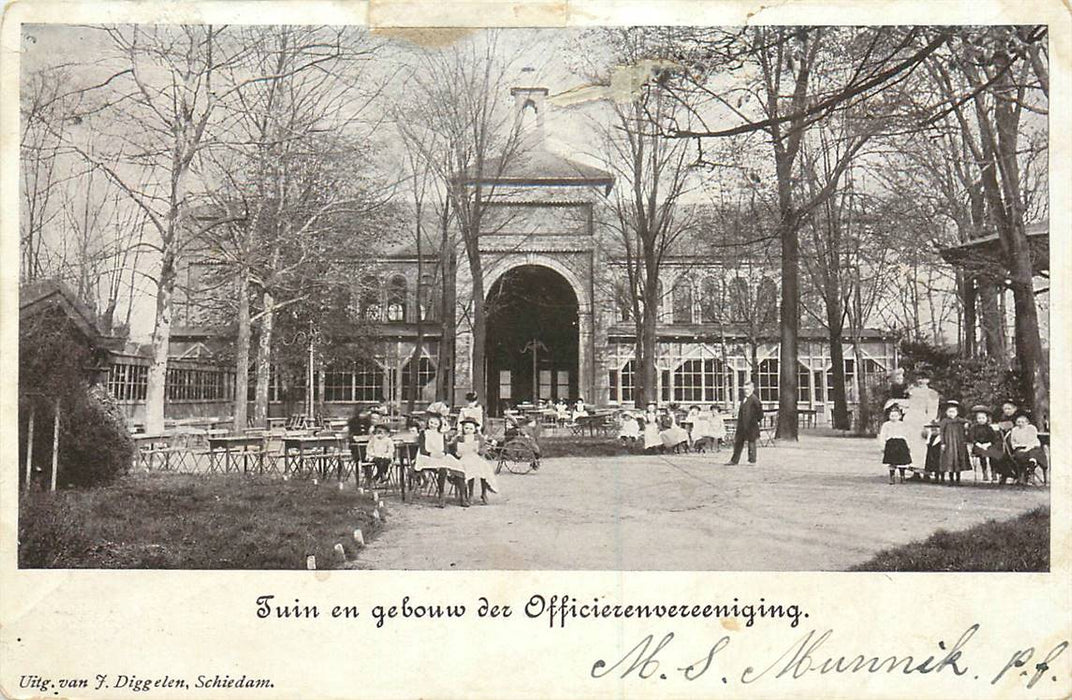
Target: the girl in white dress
pixel 467 449
pixel 698 429
pixel 629 431
pixel 672 434
pixel 652 439
pixel 432 456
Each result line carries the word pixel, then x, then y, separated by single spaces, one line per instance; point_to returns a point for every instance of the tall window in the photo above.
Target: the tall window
pixel 714 381
pixel 664 376
pixel 710 301
pixel 370 299
pixel 766 302
pixel 803 383
pixel 738 293
pixel 127 382
pixel 425 373
pixel 768 380
pixel 689 381
pixel 396 299
pixel 198 384
pixel 683 301
pixel 623 299
pixel 850 381
pixel 629 381
pixel 427 297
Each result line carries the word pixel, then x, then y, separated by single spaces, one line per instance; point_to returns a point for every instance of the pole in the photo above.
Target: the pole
pixel 55 444
pixel 309 378
pixel 29 447
pixel 535 379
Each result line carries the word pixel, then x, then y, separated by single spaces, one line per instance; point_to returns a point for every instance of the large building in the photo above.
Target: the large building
pixel 556 326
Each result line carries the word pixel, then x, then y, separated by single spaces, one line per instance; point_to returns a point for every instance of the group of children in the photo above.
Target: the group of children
pixel 661 431
pixel 1006 449
pixel 439 456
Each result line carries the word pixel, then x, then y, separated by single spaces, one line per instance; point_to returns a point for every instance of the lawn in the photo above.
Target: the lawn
pixel 167 521
pixel 1019 544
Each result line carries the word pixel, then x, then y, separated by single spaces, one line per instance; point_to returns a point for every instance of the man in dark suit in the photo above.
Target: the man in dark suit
pixel 749 414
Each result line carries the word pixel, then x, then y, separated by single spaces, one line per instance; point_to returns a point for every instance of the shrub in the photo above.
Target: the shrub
pixel 51 533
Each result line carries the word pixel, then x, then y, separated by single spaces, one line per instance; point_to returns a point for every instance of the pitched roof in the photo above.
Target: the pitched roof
pixel 540 166
pixel 35 297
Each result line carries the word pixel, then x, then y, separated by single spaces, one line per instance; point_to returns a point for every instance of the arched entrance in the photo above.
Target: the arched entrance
pixel 532 338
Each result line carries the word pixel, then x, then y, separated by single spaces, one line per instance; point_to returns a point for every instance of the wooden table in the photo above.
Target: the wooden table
pixel 319 452
pixel 224 451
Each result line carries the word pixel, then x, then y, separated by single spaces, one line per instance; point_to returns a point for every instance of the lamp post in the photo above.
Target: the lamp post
pixel 534 346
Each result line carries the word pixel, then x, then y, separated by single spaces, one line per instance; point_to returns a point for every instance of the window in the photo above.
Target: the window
pixel 198 384
pixel 768 380
pixel 820 386
pixel 689 381
pixel 358 381
pixel 397 292
pixel 766 302
pixel 127 382
pixel 562 383
pixel 427 297
pixel 683 302
pixel 505 385
pixel 664 376
pixel 545 384
pixel 714 382
pixel 628 383
pixel 803 383
pixel 711 301
pixel 426 372
pixel 739 301
pixel 370 299
pixel 624 300
pixel 850 381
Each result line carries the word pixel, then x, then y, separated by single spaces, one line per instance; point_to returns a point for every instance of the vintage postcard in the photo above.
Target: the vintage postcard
pixel 534 350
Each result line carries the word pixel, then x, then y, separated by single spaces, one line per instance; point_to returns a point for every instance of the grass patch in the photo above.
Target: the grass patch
pixel 1019 544
pixel 168 521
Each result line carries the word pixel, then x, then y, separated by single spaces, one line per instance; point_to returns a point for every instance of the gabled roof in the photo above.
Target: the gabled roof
pixel 35 297
pixel 985 256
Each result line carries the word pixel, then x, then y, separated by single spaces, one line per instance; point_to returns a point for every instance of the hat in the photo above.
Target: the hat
pixel 980 408
pixel 891 406
pixel 1025 414
pixel 471 396
pixel 469 419
pixel 890 403
pixel 951 403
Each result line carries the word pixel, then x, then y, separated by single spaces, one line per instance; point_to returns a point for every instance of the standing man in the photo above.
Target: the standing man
pixel 749 414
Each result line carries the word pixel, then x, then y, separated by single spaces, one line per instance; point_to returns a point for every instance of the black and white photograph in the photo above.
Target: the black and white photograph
pixel 669 298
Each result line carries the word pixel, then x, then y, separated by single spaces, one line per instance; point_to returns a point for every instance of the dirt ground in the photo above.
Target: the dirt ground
pixel 821 504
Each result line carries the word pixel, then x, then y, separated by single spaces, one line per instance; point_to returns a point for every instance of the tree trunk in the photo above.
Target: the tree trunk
pixel 161 343
pixel 479 386
pixel 646 376
pixel 968 294
pixel 790 329
pixel 839 418
pixel 242 351
pixel 447 317
pixel 264 362
pixel 992 323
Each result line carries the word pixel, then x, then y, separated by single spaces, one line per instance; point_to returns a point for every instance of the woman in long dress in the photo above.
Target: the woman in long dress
pixel 673 435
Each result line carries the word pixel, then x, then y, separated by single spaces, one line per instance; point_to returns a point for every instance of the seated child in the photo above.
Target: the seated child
pixel 673 436
pixel 432 456
pixel 562 412
pixel 652 439
pixel 699 429
pixel 1027 452
pixel 381 452
pixel 467 449
pixel 629 429
pixel 984 442
pixel 579 410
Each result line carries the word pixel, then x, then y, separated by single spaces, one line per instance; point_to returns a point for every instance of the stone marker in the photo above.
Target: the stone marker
pixel 310 562
pixel 359 537
pixel 340 552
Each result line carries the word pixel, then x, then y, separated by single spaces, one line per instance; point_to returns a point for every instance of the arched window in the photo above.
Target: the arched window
pixel 768 380
pixel 766 302
pixel 739 300
pixel 688 381
pixel 683 301
pixel 711 302
pixel 428 301
pixel 397 292
pixel 426 372
pixel 370 309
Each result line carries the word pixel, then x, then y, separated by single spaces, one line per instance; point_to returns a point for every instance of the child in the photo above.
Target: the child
pixel 932 464
pixel 473 411
pixel 984 442
pixel 432 455
pixel 673 435
pixel 698 429
pixel 467 449
pixel 629 431
pixel 1027 452
pixel 562 412
pixel 652 439
pixel 952 437
pixel 381 452
pixel 1007 417
pixel 579 410
pixel 716 425
pixel 894 437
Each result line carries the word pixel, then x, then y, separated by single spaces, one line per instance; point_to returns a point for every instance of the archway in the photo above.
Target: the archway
pixel 532 340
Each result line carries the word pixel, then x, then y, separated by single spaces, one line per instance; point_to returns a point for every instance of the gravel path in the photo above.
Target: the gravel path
pixel 821 504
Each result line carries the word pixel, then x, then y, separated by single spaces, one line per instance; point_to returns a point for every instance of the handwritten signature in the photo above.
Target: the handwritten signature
pixel 806 656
